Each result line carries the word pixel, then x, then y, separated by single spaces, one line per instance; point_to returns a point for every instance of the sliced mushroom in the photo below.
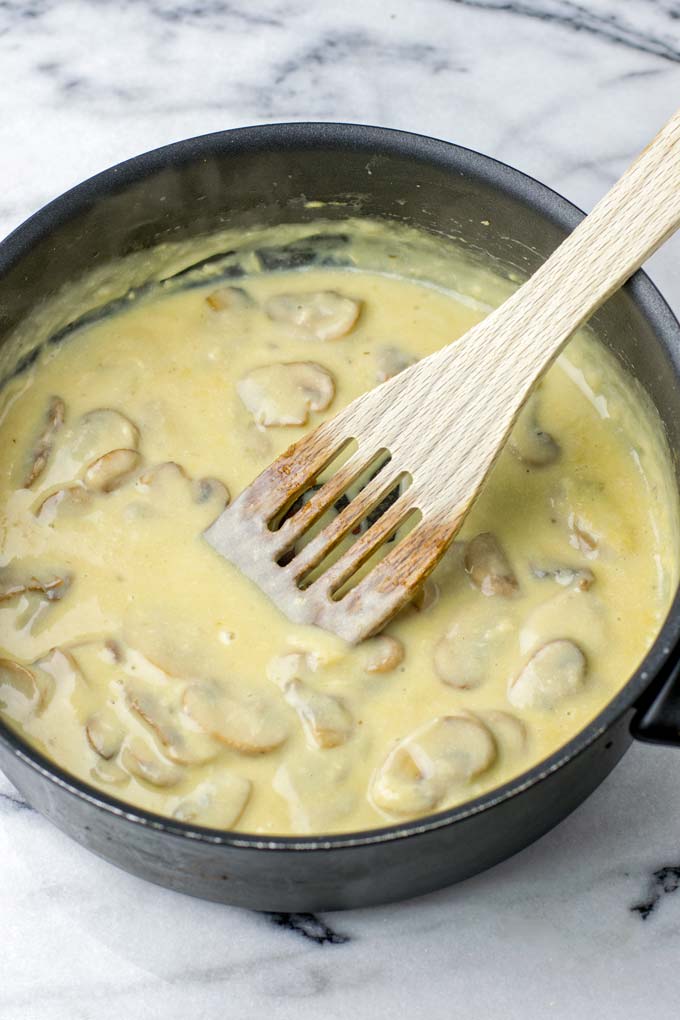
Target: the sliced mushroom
pixel 488 566
pixel 142 762
pixel 229 299
pixel 314 315
pixel 285 393
pixel 574 614
pixel 567 577
pixel 509 732
pixel 218 804
pixel 382 654
pixel 105 733
pixel 325 720
pixel 250 724
pixel 529 442
pixel 72 501
pixel 460 659
pixel 160 474
pixel 40 455
pixel 426 597
pixel 163 489
pixel 470 651
pixel 100 431
pixel 179 743
pixel 210 490
pixel 428 765
pixel 53 590
pixel 21 692
pixel 58 669
pixel 442 579
pixel 109 471
pixel 553 673
pixel 110 773
pixel 391 361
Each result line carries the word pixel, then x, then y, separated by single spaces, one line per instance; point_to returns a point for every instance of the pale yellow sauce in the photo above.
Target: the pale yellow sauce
pixel 151 610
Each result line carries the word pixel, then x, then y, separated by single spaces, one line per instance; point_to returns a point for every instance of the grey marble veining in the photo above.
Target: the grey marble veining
pixel 584 923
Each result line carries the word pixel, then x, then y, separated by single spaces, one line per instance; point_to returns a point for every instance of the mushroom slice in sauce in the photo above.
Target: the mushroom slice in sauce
pixel 382 654
pixel 104 733
pixel 210 490
pixel 442 579
pixel 23 693
pixel 60 670
pixel 462 658
pixel 557 670
pixel 229 299
pixel 285 393
pixel 325 720
pixel 314 315
pixel 218 803
pixel 468 654
pixel 391 361
pixel 110 470
pixel 431 763
pixel 426 597
pixel 99 431
pixel 71 501
pixel 141 761
pixel 529 442
pixel 488 566
pixel 179 743
pixel 109 772
pixel 248 723
pixel 161 474
pixel 54 419
pixel 161 478
pixel 509 732
pixel 577 615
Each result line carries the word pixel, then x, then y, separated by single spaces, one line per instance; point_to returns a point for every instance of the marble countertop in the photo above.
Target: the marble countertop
pixel 583 923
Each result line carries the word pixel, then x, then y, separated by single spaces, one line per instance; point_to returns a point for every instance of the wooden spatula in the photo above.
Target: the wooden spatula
pixel 442 422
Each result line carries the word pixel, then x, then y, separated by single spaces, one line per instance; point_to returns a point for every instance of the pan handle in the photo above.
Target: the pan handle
pixel 657 719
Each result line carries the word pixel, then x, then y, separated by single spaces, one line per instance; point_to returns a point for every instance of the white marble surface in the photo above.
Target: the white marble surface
pixel 567 91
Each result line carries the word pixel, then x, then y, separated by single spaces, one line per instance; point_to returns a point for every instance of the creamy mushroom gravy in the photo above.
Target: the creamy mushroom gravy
pixel 140 661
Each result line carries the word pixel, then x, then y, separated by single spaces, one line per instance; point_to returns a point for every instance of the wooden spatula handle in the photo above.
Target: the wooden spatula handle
pixel 626 226
pixel 623 230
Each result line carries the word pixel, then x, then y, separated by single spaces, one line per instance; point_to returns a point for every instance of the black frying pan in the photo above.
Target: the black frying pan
pixel 263 175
